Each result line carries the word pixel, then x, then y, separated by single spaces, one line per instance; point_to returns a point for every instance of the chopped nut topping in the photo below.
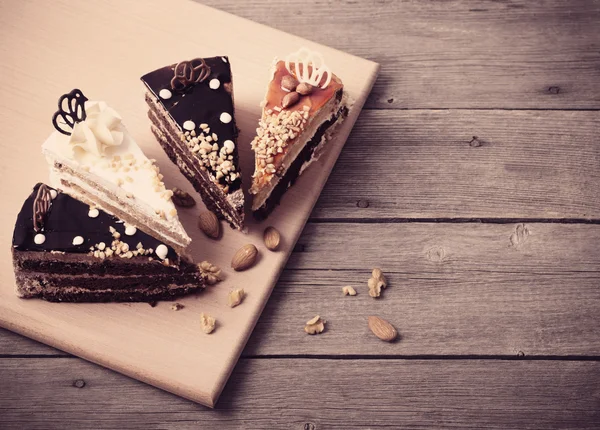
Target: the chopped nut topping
pixel 176 306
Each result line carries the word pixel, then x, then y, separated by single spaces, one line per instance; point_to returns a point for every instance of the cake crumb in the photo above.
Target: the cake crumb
pixel 176 306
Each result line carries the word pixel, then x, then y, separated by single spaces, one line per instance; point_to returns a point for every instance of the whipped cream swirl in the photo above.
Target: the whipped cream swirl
pixel 101 130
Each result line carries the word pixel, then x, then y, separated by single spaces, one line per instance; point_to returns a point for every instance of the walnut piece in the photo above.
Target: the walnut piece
pixel 207 323
pixel 235 297
pixel 315 325
pixel 376 283
pixel 209 272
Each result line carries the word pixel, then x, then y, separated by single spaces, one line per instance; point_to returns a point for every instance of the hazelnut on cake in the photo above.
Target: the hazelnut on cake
pixel 303 105
pixel 95 159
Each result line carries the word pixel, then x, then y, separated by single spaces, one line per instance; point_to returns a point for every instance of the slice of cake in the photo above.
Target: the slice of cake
pixel 192 114
pixel 65 250
pixel 305 101
pixel 94 159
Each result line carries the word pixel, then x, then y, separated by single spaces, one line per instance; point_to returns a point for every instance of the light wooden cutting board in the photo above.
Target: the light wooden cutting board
pixel 49 48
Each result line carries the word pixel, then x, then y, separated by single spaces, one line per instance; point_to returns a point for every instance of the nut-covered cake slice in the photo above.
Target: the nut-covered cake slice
pixel 192 114
pixel 304 103
pixel 93 158
pixel 65 250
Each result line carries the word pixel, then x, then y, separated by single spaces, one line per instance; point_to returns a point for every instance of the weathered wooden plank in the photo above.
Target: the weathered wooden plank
pixel 313 394
pixel 458 53
pixel 427 164
pixel 455 289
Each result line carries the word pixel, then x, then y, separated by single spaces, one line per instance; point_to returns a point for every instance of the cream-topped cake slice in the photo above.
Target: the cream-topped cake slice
pixel 96 160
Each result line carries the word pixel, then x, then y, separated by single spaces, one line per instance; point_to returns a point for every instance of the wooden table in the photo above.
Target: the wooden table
pixel 473 181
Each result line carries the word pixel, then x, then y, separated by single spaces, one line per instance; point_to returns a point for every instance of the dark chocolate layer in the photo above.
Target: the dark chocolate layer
pixel 68 218
pixel 294 170
pixel 200 103
pixel 212 196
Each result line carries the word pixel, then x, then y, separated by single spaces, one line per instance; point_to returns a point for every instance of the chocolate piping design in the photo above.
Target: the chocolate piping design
pixel 187 72
pixel 41 207
pixel 75 105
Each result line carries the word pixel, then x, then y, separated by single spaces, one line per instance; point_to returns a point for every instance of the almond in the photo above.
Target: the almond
pixel 244 258
pixel 290 99
pixel 209 224
pixel 289 83
pixel 272 238
pixel 382 329
pixel 304 89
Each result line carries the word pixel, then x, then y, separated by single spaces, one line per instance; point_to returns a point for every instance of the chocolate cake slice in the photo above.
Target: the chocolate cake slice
pixel 304 103
pixel 192 114
pixel 64 250
pixel 94 158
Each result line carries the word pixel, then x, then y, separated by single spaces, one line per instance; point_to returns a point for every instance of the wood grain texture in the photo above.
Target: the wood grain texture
pixel 467 164
pixel 454 289
pixel 457 53
pixel 313 394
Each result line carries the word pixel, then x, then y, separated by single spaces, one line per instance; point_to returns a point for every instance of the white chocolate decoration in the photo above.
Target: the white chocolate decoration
pixel 93 213
pixel 39 239
pixel 77 240
pixel 229 146
pixel 53 194
pixel 225 118
pixel 313 75
pixel 130 230
pixel 189 125
pixel 214 84
pixel 162 251
pixel 165 94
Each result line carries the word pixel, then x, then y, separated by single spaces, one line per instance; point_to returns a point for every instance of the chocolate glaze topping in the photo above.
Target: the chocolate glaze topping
pixel 197 101
pixel 67 218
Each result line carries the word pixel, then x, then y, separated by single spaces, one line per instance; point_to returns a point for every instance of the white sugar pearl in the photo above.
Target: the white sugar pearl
pixel 93 213
pixel 189 125
pixel 77 240
pixel 130 230
pixel 162 251
pixel 165 94
pixel 229 146
pixel 53 194
pixel 224 59
pixel 214 84
pixel 39 239
pixel 225 118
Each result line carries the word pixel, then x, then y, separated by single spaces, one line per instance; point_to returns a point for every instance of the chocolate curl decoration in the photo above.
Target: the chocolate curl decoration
pixel 188 72
pixel 71 112
pixel 41 207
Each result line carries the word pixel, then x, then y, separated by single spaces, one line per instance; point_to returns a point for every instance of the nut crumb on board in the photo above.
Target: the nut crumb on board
pixel 348 291
pixel 315 325
pixel 376 283
pixel 235 297
pixel 176 306
pixel 207 323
